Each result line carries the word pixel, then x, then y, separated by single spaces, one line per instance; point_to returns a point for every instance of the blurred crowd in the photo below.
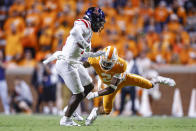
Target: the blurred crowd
pixel 30 30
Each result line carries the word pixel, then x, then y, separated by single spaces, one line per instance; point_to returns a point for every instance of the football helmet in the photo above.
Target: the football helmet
pixel 97 18
pixel 108 60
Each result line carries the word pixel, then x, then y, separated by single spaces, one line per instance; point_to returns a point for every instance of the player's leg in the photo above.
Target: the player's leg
pixel 136 80
pixel 107 107
pixel 71 78
pixel 86 80
pixel 108 100
pixel 86 83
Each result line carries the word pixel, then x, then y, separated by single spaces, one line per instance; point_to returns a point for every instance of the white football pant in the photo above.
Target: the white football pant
pixel 75 76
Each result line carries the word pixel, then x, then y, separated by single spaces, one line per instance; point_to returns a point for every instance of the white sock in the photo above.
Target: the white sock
pixel 67 118
pixel 46 110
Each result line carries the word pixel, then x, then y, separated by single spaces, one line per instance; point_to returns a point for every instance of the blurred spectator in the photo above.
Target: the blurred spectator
pixel 3 85
pixel 133 68
pixel 59 37
pixel 42 26
pixel 46 38
pixel 161 14
pixel 29 38
pixel 15 20
pixel 49 82
pixel 173 24
pixel 13 43
pixel 179 10
pixel 28 60
pixel 36 81
pixel 22 97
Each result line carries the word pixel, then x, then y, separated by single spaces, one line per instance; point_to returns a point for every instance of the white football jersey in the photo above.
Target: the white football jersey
pixel 81 33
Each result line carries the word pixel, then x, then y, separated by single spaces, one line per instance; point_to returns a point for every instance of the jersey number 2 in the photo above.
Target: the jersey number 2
pixel 106 77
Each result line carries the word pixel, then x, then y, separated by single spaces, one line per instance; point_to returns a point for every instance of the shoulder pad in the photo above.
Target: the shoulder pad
pixel 83 21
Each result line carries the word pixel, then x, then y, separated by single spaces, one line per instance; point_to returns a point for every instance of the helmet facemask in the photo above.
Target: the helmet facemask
pixel 107 64
pixel 97 26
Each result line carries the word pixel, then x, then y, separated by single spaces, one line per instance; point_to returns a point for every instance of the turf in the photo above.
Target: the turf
pixel 104 123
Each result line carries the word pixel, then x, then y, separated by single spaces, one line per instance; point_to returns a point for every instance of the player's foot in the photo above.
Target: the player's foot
pixel 92 117
pixel 66 121
pixel 75 115
pixel 164 80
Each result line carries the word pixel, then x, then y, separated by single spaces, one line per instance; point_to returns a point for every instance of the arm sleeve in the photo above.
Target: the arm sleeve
pixel 93 54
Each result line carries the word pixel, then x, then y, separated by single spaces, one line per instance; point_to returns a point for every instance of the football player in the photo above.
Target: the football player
pixel 68 65
pixel 111 70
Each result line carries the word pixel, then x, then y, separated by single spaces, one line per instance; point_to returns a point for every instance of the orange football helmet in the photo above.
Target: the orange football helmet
pixel 108 60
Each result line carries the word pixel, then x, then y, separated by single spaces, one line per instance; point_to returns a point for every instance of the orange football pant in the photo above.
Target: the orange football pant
pixel 130 80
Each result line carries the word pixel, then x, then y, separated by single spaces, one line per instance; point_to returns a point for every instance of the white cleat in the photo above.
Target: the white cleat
pixel 92 117
pixel 164 80
pixel 75 115
pixel 67 122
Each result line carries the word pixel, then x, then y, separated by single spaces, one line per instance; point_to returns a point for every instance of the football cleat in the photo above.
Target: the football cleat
pixel 164 81
pixel 92 117
pixel 65 121
pixel 75 115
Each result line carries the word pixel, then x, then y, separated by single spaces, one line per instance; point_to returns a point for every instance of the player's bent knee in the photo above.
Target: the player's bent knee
pixel 88 88
pixel 80 95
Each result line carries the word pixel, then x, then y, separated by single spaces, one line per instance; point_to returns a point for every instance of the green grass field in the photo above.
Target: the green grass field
pixel 103 123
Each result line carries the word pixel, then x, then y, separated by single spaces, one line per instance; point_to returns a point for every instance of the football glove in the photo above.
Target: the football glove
pixel 92 95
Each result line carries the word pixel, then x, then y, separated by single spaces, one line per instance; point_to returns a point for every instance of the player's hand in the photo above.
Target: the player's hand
pixel 92 95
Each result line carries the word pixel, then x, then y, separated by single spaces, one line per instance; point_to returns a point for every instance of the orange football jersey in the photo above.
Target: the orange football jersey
pixel 106 75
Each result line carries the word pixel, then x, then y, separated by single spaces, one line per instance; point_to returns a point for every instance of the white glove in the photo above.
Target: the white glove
pixel 92 54
pixel 92 95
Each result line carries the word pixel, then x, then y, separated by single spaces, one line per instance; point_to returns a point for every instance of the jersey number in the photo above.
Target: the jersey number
pixel 106 77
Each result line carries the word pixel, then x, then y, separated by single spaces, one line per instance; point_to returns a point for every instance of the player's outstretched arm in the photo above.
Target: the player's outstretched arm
pixel 110 89
pixel 103 92
pixel 93 54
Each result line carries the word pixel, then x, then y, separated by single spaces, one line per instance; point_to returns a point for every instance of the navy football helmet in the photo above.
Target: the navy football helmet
pixel 96 17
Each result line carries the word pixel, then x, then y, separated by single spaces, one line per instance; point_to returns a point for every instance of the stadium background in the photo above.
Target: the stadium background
pixel 164 30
